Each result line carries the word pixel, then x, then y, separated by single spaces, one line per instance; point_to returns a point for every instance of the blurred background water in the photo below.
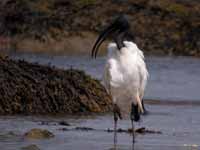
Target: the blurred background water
pixel 171 78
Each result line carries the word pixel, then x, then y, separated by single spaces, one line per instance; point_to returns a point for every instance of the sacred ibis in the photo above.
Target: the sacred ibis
pixel 125 74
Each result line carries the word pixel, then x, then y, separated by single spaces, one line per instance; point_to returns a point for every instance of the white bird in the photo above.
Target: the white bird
pixel 125 73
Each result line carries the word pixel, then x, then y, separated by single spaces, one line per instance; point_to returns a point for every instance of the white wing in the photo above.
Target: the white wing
pixel 125 72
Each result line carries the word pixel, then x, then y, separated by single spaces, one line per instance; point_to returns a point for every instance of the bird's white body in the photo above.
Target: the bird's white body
pixel 125 75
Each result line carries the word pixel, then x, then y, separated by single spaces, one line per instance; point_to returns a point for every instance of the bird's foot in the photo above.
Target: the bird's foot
pixel 133 132
pixel 117 114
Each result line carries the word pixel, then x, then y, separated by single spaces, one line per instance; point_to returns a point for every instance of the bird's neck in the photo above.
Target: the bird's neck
pixel 130 48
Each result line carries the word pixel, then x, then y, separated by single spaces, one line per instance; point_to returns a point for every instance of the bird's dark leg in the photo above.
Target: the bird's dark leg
pixel 117 114
pixel 132 119
pixel 115 125
pixel 115 129
pixel 134 116
pixel 133 131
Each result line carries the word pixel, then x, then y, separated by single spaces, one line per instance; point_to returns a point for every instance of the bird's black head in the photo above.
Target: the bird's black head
pixel 117 30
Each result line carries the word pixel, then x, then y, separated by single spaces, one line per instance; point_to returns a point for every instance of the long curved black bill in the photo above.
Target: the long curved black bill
pixel 100 40
pixel 120 26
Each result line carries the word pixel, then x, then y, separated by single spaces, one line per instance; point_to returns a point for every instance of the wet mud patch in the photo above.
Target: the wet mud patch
pixel 49 123
pixel 141 130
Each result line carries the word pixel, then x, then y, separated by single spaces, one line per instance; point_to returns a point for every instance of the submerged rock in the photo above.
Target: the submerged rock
pixel 28 88
pixel 9 135
pixel 38 134
pixel 63 129
pixel 142 130
pixel 64 123
pixel 30 147
pixel 84 128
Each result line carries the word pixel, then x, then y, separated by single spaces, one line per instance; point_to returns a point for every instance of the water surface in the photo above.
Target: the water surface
pixel 179 126
pixel 173 80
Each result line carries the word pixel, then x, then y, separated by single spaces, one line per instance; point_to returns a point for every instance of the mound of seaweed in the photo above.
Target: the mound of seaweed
pixel 34 89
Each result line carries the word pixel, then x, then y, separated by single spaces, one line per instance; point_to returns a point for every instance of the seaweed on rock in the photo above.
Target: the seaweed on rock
pixel 28 88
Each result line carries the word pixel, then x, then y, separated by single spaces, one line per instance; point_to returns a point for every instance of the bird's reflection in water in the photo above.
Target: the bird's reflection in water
pixel 117 147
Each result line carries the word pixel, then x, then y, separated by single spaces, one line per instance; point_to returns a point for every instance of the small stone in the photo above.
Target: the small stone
pixel 121 130
pixel 64 123
pixel 30 147
pixel 44 123
pixel 141 130
pixel 63 129
pixel 84 128
pixel 38 134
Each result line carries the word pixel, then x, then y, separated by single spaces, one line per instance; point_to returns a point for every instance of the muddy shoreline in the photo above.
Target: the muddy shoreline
pixel 161 27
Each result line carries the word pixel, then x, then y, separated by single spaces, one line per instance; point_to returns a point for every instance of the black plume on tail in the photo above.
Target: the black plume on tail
pixel 135 114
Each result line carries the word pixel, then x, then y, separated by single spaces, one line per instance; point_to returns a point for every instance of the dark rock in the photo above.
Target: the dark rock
pixel 84 128
pixel 28 88
pixel 38 134
pixel 143 130
pixel 47 123
pixel 64 123
pixel 44 123
pixel 139 130
pixel 63 129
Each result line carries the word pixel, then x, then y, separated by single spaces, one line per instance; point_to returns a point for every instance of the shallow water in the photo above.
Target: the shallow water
pixel 179 126
pixel 175 79
pixel 171 78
